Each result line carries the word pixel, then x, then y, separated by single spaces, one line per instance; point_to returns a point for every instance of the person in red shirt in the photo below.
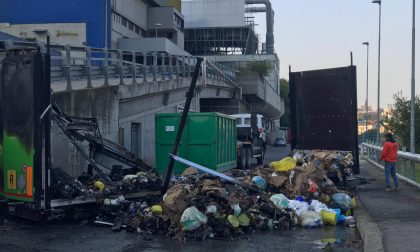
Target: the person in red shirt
pixel 389 156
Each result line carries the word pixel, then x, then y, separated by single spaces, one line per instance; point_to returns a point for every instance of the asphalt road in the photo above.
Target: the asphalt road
pixel 20 235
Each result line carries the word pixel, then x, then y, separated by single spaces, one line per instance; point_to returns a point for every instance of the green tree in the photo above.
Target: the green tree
pixel 262 68
pixel 398 121
pixel 284 93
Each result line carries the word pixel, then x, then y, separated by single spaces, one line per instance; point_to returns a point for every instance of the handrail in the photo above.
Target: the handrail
pixel 77 63
pixel 372 153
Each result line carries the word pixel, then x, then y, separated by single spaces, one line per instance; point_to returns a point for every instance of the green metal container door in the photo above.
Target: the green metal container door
pixel 209 139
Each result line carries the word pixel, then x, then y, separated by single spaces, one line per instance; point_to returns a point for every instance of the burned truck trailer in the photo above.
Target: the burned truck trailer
pixel 324 110
pixel 31 186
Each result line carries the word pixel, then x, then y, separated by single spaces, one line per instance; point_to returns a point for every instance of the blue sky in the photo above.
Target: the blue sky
pixel 320 34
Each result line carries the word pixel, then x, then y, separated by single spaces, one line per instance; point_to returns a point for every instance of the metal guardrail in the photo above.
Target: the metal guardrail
pixel 409 174
pixel 88 67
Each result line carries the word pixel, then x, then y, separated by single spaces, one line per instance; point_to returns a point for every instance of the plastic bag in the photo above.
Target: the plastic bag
pixel 156 209
pixel 313 187
pixel 298 206
pixel 280 201
pixel 243 220
pixel 329 218
pixel 311 219
pixel 236 209
pixel 319 206
pixel 192 219
pixel 259 182
pixel 284 165
pixel 233 220
pixel 342 200
pixel 211 209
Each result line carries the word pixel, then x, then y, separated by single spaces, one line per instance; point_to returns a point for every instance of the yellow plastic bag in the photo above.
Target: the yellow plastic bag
pixel 353 202
pixel 329 218
pixel 157 209
pixel 99 185
pixel 284 165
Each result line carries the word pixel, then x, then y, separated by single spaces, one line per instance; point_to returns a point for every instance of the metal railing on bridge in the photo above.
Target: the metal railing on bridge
pixel 88 67
pixel 408 165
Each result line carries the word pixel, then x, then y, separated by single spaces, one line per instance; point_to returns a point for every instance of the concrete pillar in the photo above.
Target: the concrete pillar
pixel 105 66
pixel 154 65
pixel 144 67
pixel 67 67
pixel 177 66
pixel 88 66
pixel 170 57
pixel 120 66
pixel 133 67
pixel 163 65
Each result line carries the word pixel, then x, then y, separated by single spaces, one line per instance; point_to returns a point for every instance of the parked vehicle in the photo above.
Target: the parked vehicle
pixel 280 142
pixel 251 139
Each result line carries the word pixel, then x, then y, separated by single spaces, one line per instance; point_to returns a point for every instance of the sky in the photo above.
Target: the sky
pixel 321 34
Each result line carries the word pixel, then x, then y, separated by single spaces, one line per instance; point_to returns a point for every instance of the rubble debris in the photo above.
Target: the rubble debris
pixel 207 204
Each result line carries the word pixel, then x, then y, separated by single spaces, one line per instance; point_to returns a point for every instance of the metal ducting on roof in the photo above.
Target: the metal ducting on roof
pixel 270 20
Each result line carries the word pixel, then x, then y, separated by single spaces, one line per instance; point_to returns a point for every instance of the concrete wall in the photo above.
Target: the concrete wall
pixel 100 103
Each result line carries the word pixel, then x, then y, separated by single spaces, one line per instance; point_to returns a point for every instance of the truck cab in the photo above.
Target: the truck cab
pixel 250 143
pixel 243 121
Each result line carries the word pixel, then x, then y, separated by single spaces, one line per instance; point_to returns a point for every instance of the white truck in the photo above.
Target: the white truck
pixel 251 139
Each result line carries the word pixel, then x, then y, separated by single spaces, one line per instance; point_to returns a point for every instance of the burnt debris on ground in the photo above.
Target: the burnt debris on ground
pixel 294 192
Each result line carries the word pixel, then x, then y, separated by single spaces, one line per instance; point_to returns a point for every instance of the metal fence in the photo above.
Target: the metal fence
pixel 88 67
pixel 408 165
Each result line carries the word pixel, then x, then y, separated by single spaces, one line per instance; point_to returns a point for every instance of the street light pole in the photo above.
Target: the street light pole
pixel 367 89
pixel 378 124
pixel 413 83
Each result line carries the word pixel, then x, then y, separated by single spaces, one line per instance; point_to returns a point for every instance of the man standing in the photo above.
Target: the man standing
pixel 389 155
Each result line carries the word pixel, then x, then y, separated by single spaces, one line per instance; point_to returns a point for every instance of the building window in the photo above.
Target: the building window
pixel 137 29
pixel 178 22
pixel 131 26
pixel 124 21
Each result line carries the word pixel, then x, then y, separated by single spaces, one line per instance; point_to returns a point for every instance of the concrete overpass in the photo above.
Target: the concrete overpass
pixel 125 89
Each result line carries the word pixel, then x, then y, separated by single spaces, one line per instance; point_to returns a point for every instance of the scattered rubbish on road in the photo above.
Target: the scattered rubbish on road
pixel 203 205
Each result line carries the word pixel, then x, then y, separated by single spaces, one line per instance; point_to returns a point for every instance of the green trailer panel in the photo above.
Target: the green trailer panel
pixel 209 139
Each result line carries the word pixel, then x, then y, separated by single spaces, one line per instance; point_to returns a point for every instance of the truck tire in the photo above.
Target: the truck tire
pixel 248 158
pixel 242 158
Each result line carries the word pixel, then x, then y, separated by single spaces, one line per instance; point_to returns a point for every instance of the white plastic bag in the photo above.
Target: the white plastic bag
pixel 311 219
pixel 192 219
pixel 298 206
pixel 319 206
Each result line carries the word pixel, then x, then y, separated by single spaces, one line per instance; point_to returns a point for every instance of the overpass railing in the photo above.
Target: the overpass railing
pixel 408 165
pixel 88 67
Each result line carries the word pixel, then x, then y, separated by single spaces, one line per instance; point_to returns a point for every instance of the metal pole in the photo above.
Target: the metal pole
pixel 367 90
pixel 182 123
pixel 378 135
pixel 413 83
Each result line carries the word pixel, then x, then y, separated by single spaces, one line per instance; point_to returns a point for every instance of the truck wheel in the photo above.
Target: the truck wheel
pixel 242 159
pixel 248 158
pixel 260 160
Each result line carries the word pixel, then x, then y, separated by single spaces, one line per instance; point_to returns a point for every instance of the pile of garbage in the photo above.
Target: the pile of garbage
pixel 67 188
pixel 293 192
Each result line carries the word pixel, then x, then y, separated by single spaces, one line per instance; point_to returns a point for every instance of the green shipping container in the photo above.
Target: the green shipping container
pixel 209 139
